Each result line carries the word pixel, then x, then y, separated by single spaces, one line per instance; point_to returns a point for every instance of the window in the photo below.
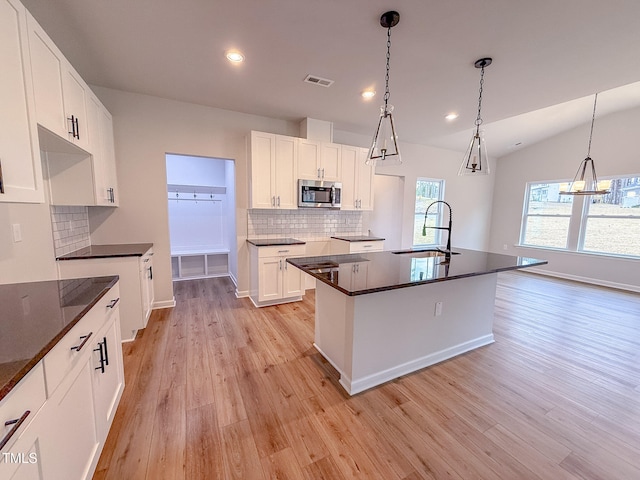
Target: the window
pixel 605 224
pixel 547 216
pixel 427 192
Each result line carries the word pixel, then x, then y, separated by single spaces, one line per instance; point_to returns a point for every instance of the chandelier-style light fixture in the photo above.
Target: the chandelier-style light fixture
pixel 476 160
pixel 586 181
pixel 385 141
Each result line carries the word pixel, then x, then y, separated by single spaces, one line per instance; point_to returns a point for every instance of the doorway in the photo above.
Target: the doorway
pixel 202 223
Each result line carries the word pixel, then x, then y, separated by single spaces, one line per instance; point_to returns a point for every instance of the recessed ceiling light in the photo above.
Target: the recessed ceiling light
pixel 235 57
pixel 451 116
pixel 368 94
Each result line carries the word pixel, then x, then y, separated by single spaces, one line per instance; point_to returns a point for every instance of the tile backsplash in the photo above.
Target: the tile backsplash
pixel 70 229
pixel 304 224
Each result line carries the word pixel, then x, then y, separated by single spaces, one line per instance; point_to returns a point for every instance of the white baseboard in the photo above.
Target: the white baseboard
pixel 242 294
pixel 590 281
pixel 164 304
pixel 356 386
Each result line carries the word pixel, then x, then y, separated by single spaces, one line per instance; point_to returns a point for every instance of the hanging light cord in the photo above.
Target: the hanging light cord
pixel 479 118
pixel 593 119
pixel 386 78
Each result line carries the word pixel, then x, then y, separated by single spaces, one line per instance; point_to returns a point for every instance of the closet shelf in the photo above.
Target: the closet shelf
pixel 176 188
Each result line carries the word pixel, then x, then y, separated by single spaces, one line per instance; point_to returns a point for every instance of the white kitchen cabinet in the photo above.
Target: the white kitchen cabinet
pixel 354 275
pixel 107 375
pixel 136 277
pixel 273 171
pixel 357 179
pixel 273 280
pixel 340 247
pixel 69 441
pixel 319 160
pixel 70 402
pixel 20 165
pixel 102 147
pixel 61 96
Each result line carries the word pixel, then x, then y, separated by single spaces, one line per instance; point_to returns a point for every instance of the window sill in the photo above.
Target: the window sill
pixel 582 253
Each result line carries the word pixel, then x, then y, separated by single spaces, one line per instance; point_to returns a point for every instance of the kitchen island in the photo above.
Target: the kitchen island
pixel 382 315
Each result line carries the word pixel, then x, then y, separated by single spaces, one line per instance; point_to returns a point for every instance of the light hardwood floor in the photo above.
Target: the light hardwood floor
pixel 216 388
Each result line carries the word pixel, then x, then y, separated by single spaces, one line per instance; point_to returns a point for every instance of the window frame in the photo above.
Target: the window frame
pixel 576 234
pixel 438 212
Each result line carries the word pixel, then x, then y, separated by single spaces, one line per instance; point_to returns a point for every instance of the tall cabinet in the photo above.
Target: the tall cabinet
pixel 20 166
pixel 274 171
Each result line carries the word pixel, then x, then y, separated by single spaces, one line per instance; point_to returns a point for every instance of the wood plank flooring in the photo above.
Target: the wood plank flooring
pixel 216 388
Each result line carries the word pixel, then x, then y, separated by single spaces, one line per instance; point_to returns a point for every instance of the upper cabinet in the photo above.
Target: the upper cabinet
pixel 104 162
pixel 76 130
pixel 357 179
pixel 20 166
pixel 273 171
pixel 318 160
pixel 60 94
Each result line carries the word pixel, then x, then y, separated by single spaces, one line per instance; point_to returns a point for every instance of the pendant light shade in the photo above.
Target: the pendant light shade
pixel 476 160
pixel 586 181
pixel 385 141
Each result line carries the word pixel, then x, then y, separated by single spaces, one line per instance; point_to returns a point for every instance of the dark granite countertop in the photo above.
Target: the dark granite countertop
pixel 106 251
pixel 269 242
pixel 358 238
pixel 36 315
pixel 358 274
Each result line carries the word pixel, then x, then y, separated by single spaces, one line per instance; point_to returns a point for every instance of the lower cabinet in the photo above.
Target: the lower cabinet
pixel 340 247
pixel 62 436
pixel 136 284
pixel 273 280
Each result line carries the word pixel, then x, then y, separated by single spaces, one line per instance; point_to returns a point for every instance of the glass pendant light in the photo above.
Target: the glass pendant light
pixel 586 181
pixel 385 141
pixel 476 160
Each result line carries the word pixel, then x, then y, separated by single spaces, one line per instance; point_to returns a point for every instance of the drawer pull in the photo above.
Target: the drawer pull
pixel 104 355
pixel 84 339
pixel 113 303
pixel 283 251
pixel 16 425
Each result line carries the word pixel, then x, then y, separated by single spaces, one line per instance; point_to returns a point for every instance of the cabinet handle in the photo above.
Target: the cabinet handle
pixel 73 126
pixel 106 353
pixel 99 349
pixel 319 174
pixel 16 425
pixel 113 302
pixel 151 272
pixel 77 129
pixel 283 251
pixel 84 339
pixel 280 263
pixel 1 182
pixel 273 201
pixel 367 246
pixel 323 173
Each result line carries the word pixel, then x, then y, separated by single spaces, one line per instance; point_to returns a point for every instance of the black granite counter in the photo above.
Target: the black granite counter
pixel 36 315
pixel 107 251
pixel 362 273
pixel 358 238
pixel 270 242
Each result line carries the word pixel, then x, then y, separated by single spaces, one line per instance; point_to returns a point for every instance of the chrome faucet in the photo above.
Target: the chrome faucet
pixel 447 251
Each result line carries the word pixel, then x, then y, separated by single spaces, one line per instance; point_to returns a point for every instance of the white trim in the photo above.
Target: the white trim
pixel 164 304
pixel 590 281
pixel 242 294
pixel 370 381
pixel 211 275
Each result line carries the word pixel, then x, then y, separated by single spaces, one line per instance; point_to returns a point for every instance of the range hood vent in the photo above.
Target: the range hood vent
pixel 316 80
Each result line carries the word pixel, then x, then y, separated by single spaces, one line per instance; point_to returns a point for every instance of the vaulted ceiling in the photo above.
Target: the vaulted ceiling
pixel 550 57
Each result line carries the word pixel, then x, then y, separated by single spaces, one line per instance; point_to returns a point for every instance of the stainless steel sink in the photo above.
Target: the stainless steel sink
pixel 430 252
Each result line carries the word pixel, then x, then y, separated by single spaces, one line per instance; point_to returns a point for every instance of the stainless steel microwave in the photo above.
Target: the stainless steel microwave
pixel 317 194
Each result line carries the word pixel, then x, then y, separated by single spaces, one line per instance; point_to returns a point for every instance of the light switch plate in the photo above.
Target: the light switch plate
pixel 17 232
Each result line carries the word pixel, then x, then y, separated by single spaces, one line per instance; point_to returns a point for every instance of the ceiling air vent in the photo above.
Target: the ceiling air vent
pixel 315 80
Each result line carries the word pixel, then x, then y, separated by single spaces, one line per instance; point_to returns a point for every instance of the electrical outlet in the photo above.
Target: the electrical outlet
pixel 505 247
pixel 438 310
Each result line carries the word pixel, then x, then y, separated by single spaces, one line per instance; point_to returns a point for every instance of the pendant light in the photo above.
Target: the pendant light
pixel 476 160
pixel 385 141
pixel 585 181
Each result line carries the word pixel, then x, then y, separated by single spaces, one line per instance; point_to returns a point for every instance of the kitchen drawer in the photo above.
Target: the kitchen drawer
pixel 72 347
pixel 28 395
pixel 282 250
pixel 363 247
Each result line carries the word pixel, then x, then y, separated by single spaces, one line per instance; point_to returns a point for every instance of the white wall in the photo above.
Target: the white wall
pixel 145 129
pixel 230 182
pixel 33 259
pixel 615 152
pixel 470 197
